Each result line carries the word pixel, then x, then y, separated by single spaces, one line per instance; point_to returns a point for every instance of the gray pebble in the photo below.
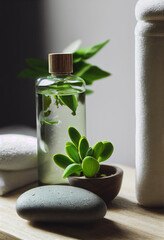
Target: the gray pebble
pixel 60 203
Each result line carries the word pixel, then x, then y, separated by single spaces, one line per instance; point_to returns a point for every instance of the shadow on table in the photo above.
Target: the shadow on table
pixel 125 204
pixel 103 229
pixel 17 192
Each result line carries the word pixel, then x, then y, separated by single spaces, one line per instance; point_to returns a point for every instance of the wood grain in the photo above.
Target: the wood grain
pixel 125 219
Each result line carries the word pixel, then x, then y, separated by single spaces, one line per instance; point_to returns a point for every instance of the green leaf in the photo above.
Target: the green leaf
pixel 90 166
pixel 62 160
pixel 72 152
pixel 107 152
pixel 94 73
pixel 74 136
pixel 39 69
pixel 38 64
pixel 73 168
pixel 89 72
pixel 76 59
pixel 49 122
pixel 57 101
pixel 88 52
pixel 74 46
pixel 89 91
pixel 70 101
pixel 46 102
pixel 83 147
pixel 89 152
pixel 80 68
pixel 47 113
pixel 29 73
pixel 98 149
pixel 103 175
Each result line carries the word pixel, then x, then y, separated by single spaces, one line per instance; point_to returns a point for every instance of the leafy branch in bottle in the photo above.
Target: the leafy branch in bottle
pixel 38 68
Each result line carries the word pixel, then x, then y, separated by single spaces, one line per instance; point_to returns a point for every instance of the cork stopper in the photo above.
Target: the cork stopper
pixel 60 63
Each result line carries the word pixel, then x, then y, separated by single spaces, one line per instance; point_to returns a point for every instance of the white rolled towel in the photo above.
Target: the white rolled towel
pixel 17 152
pixel 11 180
pixel 18 158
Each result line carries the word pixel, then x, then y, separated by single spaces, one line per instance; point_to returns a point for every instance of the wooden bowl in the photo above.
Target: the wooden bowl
pixel 106 187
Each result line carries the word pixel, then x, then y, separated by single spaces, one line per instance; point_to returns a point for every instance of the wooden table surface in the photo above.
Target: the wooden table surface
pixel 124 220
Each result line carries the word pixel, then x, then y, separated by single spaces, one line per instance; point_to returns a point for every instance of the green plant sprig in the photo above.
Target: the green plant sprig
pixel 82 159
pixel 39 68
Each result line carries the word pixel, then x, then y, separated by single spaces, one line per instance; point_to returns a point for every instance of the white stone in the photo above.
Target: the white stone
pixel 17 152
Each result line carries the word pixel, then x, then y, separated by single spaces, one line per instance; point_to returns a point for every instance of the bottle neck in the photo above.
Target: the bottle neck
pixel 60 74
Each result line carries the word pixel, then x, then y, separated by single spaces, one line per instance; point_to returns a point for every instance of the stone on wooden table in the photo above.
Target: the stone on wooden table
pixel 58 203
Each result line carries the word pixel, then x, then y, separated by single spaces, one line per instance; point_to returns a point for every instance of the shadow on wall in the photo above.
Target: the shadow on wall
pixel 20 24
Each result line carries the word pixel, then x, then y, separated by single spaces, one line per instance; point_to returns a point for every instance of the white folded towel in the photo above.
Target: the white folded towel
pixel 17 152
pixel 18 158
pixel 11 180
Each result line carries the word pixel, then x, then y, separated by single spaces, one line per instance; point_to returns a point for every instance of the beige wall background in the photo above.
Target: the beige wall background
pixel 110 110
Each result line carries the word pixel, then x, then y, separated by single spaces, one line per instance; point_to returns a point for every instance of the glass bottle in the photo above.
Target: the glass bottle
pixel 60 103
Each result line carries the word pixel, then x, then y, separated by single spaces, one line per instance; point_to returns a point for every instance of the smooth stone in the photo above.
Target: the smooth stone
pixel 59 203
pixel 18 152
